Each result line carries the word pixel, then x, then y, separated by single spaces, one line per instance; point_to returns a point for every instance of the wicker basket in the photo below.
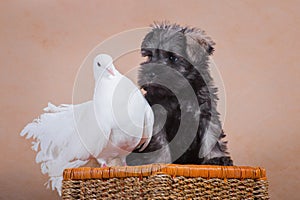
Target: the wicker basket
pixel 166 181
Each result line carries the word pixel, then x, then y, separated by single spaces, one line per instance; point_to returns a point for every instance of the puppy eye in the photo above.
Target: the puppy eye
pixel 173 58
pixel 99 65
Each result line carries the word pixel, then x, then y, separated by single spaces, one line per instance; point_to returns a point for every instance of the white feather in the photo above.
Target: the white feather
pixel 108 128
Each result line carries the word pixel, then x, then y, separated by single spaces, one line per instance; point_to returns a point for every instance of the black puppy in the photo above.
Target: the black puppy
pixel 178 85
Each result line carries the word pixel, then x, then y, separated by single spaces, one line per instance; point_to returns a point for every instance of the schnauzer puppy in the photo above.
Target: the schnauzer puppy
pixel 178 86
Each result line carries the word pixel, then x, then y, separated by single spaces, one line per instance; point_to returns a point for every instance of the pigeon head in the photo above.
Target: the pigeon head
pixel 103 66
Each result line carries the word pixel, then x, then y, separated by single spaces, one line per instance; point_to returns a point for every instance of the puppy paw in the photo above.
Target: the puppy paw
pixel 225 161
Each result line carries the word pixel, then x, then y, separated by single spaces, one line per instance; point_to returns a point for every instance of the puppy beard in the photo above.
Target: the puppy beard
pixel 162 80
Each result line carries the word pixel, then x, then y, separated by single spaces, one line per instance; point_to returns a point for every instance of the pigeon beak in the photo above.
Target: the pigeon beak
pixel 110 71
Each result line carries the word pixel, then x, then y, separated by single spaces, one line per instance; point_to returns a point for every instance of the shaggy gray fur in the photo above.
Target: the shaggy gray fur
pixel 177 78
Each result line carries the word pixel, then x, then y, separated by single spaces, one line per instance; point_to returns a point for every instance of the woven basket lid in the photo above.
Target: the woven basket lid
pixel 204 171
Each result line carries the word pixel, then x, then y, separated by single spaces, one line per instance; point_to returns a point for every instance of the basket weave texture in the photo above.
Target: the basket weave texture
pixel 166 181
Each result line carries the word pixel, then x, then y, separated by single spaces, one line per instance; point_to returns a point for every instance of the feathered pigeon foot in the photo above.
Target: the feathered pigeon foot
pixel 225 161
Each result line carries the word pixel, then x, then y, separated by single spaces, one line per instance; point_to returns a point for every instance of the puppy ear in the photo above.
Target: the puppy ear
pixel 199 36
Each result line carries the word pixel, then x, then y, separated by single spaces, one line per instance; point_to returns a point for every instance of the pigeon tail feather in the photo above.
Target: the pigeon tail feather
pixel 56 142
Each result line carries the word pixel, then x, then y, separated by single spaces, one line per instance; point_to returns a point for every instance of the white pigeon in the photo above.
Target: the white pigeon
pixel 117 121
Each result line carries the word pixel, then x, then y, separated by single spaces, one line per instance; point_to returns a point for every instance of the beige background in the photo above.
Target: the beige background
pixel 43 44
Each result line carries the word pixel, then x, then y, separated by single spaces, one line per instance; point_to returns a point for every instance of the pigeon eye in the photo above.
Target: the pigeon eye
pixel 173 58
pixel 99 65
